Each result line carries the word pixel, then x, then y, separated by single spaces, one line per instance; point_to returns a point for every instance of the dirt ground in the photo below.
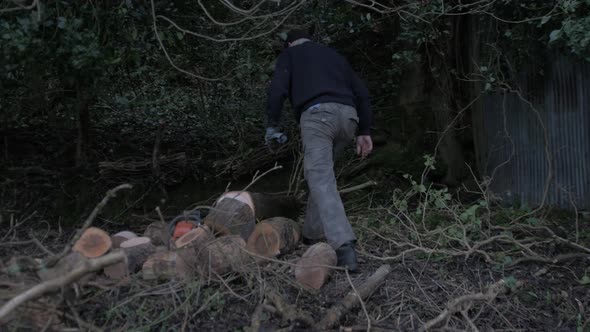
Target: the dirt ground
pixel 548 292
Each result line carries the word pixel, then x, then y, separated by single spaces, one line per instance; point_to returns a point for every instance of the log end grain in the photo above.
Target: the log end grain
pixel 314 267
pixel 94 242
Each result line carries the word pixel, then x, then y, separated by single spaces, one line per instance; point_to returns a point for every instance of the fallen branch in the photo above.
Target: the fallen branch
pixel 288 311
pixel 110 194
pixel 359 187
pixel 88 266
pixel 458 304
pixel 353 298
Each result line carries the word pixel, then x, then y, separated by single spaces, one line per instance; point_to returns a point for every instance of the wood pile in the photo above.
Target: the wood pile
pixel 170 167
pixel 241 230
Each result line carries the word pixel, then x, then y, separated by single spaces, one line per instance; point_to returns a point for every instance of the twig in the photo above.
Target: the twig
pixel 288 311
pixel 353 298
pixel 359 187
pixel 550 260
pixel 39 290
pixel 360 300
pixel 156 151
pixel 81 323
pixel 34 4
pixel 457 304
pixel 258 177
pixel 110 194
pixel 39 244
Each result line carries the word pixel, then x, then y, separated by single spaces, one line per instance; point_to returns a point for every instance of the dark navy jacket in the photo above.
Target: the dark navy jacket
pixel 309 74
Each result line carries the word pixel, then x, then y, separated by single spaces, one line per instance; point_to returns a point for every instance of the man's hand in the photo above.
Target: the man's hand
pixel 274 136
pixel 364 145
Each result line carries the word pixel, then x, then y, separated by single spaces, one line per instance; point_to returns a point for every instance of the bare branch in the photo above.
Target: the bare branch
pixel 110 194
pixel 34 4
pixel 39 290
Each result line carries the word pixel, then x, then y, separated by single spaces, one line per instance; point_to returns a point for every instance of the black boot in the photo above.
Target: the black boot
pixel 347 257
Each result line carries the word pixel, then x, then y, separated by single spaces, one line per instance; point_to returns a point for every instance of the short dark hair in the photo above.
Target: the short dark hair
pixel 295 34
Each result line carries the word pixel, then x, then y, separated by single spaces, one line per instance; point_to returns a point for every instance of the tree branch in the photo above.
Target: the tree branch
pixel 89 265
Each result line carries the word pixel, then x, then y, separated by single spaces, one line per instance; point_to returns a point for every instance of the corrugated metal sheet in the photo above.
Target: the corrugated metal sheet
pixel 543 133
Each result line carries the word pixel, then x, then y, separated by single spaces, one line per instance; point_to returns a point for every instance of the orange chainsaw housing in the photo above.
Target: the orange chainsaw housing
pixel 181 228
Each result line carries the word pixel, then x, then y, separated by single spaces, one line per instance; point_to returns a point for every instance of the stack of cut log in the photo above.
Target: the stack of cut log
pixel 242 229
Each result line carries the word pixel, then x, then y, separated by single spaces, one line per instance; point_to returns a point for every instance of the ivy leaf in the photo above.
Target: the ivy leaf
pixel 510 282
pixel 545 19
pixel 61 22
pixel 554 35
pixel 585 280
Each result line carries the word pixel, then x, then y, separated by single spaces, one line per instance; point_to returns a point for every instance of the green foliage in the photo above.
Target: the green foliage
pixel 574 32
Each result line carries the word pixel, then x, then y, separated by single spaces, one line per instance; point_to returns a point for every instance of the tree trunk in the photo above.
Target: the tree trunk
pixel 84 100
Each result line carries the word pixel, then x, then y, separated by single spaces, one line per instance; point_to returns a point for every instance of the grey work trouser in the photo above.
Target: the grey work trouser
pixel 326 129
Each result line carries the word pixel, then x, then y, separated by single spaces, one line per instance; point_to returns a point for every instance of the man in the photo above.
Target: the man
pixel 330 104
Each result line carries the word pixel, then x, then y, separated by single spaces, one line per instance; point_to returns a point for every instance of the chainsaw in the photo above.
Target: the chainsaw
pixel 183 224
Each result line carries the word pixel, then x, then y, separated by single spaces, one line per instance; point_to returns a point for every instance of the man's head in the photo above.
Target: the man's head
pixel 294 35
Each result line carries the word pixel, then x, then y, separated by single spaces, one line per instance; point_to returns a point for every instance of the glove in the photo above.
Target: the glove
pixel 274 136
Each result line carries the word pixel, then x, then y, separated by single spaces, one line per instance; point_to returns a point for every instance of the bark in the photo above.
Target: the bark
pixel 273 237
pixel 137 251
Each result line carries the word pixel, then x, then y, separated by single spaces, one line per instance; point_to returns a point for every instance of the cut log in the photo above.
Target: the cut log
pixel 121 237
pixel 190 246
pixel 231 217
pixel 94 242
pixel 158 232
pixel 313 268
pixel 136 241
pixel 273 237
pixel 265 206
pixel 223 255
pixel 195 238
pixel 242 196
pixel 137 250
pixel 165 265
